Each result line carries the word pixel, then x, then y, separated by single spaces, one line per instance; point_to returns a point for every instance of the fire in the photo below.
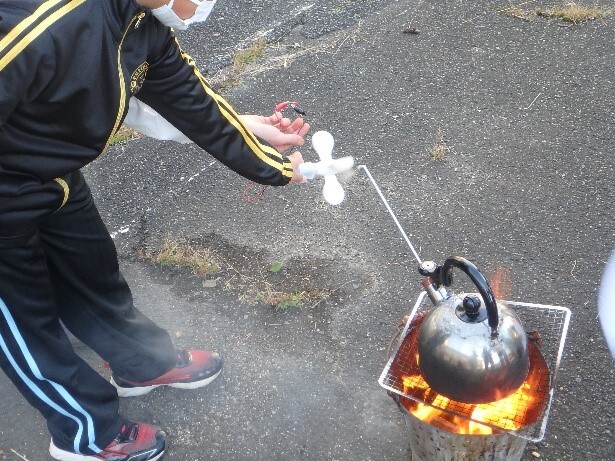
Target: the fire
pixel 511 413
pixel 500 282
pixel 521 408
pixel 503 413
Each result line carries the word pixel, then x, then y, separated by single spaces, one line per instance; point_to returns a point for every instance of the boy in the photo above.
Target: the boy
pixel 67 71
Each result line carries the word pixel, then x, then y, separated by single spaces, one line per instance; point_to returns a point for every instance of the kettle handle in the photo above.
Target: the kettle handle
pixel 479 281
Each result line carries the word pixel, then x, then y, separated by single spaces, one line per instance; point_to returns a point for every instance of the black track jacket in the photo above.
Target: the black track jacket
pixel 67 71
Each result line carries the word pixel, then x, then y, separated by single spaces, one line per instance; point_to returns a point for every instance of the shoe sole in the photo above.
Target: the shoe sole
pixel 63 455
pixel 136 391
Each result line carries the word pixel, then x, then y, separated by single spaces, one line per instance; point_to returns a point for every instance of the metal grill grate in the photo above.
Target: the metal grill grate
pixel 546 325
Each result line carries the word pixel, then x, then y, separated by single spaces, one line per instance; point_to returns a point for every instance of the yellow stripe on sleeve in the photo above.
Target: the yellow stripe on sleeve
pixel 266 154
pixel 38 30
pixel 27 22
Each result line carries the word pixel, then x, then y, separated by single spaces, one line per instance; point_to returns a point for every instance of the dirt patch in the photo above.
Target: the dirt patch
pixel 275 288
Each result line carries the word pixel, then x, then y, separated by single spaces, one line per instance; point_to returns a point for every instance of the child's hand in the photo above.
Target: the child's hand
pixel 280 132
pixel 296 159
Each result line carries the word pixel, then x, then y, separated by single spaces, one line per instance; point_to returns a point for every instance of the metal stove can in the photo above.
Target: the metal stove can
pixel 429 442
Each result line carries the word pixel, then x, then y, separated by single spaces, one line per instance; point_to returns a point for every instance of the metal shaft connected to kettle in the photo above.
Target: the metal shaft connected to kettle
pixel 386 204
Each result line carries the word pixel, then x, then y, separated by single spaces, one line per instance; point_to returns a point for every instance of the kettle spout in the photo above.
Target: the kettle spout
pixel 432 282
pixel 436 294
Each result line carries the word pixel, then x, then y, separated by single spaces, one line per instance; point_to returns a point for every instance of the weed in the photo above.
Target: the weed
pixel 571 13
pixel 574 13
pixel 291 300
pixel 439 147
pixel 296 299
pixel 251 286
pixel 276 56
pixel 201 261
pixel 242 60
pixel 276 267
pixel 124 134
pixel 249 55
pixel 281 300
pixel 266 293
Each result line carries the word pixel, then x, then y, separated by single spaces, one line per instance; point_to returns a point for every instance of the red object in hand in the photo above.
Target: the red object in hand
pixel 293 104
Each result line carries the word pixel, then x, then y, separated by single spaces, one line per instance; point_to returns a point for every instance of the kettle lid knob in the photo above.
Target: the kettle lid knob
pixel 471 309
pixel 471 304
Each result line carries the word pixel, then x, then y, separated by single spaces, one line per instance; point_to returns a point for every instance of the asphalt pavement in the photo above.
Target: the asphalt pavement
pixel 523 115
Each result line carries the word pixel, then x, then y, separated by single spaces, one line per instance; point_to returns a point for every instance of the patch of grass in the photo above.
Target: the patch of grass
pixel 201 261
pixel 570 12
pixel 280 56
pixel 243 60
pixel 574 13
pixel 253 285
pixel 123 135
pixel 266 293
pixel 276 267
pixel 281 300
pixel 249 55
pixel 439 147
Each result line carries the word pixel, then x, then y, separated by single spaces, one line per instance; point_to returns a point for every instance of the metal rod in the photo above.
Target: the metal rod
pixel 386 204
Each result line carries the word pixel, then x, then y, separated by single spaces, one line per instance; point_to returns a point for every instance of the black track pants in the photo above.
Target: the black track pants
pixel 67 270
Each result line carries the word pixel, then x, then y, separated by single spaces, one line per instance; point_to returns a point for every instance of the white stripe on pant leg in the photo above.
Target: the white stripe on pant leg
pixel 38 392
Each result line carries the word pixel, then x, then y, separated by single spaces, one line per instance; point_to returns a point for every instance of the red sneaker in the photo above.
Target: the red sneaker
pixel 135 442
pixel 193 369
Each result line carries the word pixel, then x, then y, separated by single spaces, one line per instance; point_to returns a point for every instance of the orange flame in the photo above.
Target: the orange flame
pixel 500 282
pixel 521 408
pixel 502 413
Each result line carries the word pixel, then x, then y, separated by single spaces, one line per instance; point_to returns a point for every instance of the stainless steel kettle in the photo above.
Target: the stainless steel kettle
pixel 472 349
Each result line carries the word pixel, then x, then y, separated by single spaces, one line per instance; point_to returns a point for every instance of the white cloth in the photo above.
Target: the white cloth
pixel 167 16
pixel 147 121
pixel 606 303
